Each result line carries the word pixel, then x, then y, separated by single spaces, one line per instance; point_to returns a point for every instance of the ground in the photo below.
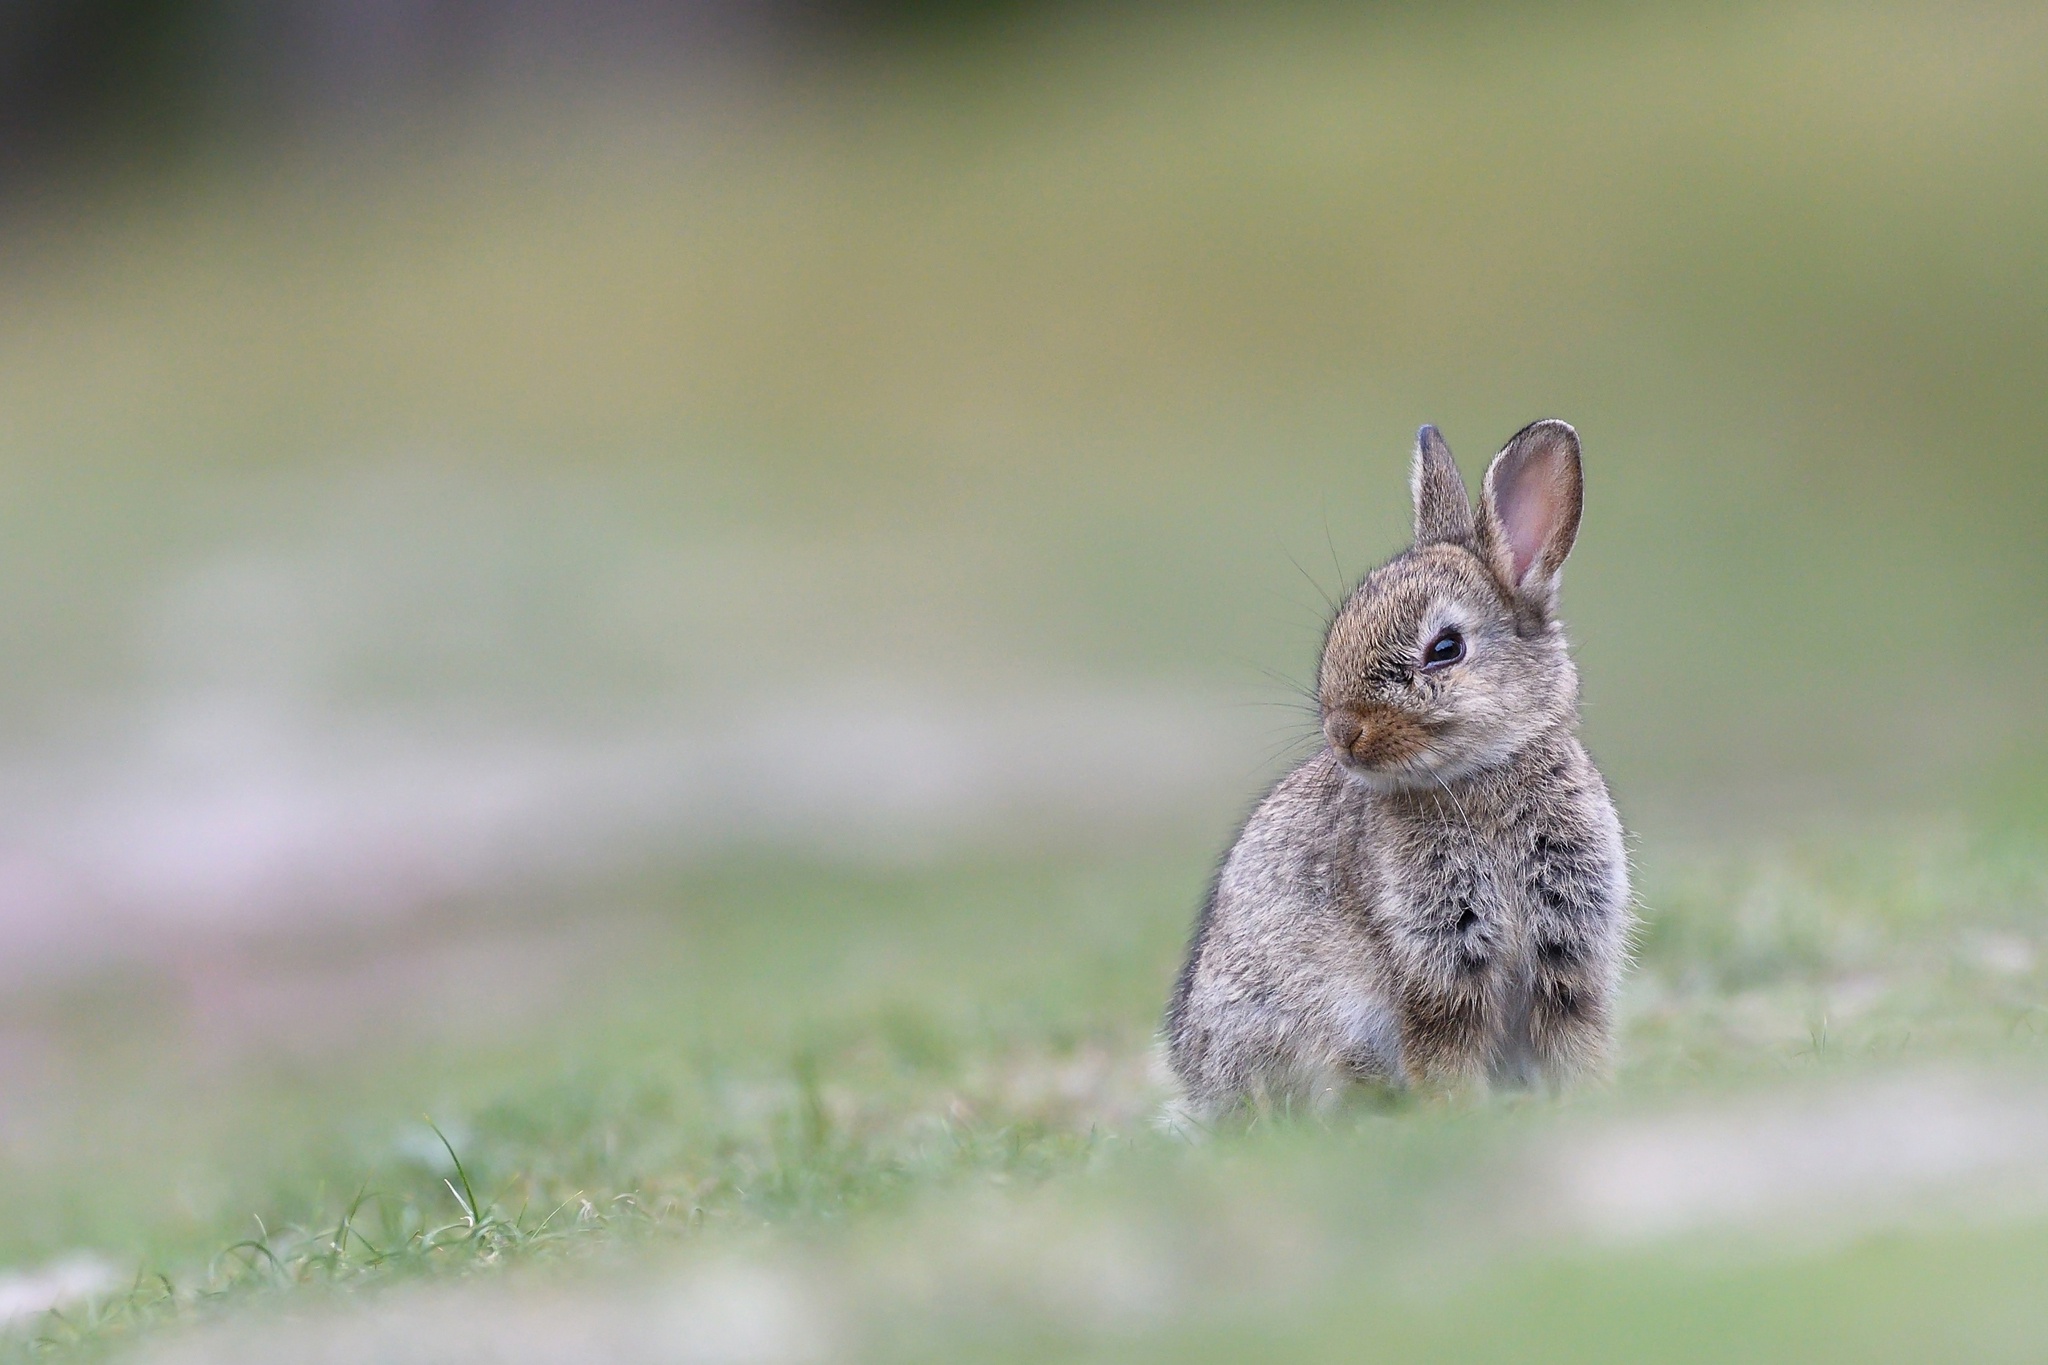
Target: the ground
pixel 834 1113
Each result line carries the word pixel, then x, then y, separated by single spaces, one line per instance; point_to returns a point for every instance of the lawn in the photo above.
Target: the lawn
pixel 835 1111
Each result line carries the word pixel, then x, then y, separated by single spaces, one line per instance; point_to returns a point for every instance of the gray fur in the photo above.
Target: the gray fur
pixel 1443 509
pixel 1439 897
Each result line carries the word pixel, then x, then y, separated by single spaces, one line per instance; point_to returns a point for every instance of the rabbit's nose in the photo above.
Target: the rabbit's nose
pixel 1343 727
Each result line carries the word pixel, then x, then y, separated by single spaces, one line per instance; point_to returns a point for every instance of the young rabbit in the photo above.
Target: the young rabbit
pixel 1440 896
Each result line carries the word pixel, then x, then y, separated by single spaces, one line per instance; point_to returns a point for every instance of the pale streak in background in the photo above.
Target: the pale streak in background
pixel 404 693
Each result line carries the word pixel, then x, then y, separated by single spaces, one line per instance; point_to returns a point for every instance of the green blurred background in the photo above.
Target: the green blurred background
pixel 493 493
pixel 1035 350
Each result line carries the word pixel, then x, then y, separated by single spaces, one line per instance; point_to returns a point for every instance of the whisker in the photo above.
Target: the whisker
pixel 1331 541
pixel 1300 744
pixel 1456 804
pixel 1328 601
pixel 1307 694
pixel 1437 778
pixel 1321 618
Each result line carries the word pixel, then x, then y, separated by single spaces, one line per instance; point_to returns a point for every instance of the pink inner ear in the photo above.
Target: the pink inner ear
pixel 1531 508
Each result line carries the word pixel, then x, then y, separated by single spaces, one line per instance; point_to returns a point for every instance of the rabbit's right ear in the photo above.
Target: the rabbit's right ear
pixel 1529 511
pixel 1443 509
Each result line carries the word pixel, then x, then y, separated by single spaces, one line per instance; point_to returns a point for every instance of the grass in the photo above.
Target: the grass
pixel 938 1112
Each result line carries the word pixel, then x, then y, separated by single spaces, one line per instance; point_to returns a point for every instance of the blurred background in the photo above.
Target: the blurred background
pixel 447 443
pixel 468 468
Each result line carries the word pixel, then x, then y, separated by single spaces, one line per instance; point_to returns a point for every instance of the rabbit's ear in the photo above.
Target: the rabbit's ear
pixel 1443 509
pixel 1529 511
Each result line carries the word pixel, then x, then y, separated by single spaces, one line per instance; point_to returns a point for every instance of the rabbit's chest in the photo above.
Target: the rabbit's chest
pixel 1458 896
pixel 1470 895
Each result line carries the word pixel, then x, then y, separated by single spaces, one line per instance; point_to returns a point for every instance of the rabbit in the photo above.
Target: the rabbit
pixel 1438 900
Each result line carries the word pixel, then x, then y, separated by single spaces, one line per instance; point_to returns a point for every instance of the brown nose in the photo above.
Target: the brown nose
pixel 1343 727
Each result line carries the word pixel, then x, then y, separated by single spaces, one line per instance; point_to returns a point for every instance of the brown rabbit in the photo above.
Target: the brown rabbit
pixel 1440 895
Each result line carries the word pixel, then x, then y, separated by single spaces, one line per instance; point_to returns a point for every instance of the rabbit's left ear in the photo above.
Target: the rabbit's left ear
pixel 1443 509
pixel 1529 512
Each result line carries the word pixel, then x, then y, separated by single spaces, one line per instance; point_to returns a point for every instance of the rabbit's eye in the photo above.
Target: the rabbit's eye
pixel 1446 649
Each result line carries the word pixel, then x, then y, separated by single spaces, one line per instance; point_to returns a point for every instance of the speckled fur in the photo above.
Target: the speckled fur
pixel 1439 898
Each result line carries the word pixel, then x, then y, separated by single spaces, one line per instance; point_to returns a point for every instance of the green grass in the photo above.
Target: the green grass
pixel 830 1071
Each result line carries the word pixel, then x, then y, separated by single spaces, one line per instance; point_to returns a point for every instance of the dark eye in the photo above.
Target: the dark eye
pixel 1446 649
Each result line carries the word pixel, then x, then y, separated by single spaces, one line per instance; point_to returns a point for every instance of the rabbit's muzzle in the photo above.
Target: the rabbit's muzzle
pixel 1343 728
pixel 1378 740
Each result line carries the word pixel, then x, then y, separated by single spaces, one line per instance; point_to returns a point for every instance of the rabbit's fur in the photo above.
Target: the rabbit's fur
pixel 1438 897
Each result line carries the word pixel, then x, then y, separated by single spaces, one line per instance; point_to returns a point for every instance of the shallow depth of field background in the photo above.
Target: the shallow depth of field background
pixel 690 594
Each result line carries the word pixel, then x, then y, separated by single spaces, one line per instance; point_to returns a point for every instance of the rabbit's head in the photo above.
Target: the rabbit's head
pixel 1448 659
